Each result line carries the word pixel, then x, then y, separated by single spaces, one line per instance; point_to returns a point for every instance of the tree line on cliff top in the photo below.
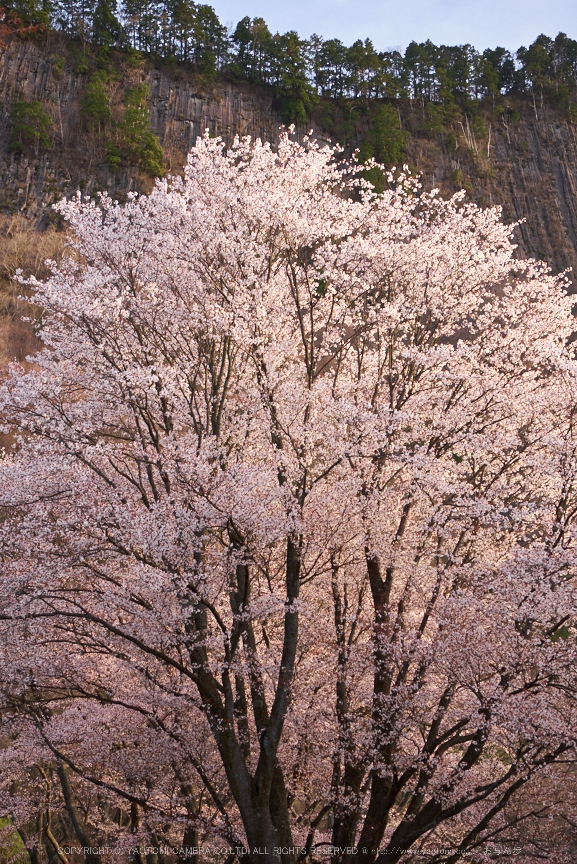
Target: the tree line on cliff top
pixel 301 70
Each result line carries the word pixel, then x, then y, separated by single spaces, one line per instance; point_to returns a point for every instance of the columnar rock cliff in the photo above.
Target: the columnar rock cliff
pixel 529 167
pixel 179 112
pixel 531 171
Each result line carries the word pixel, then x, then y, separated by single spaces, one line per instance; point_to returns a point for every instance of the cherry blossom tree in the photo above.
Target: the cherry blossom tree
pixel 288 524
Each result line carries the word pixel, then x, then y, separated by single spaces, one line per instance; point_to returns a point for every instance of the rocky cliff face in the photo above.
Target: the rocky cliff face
pixel 179 112
pixel 529 168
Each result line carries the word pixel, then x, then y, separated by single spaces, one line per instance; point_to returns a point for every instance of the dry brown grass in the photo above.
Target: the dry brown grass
pixel 23 247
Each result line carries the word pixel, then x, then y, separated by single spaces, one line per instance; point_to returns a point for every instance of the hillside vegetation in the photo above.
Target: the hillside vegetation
pixel 448 78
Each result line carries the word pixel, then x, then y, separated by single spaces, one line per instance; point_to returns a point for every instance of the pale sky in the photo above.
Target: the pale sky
pixel 395 23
